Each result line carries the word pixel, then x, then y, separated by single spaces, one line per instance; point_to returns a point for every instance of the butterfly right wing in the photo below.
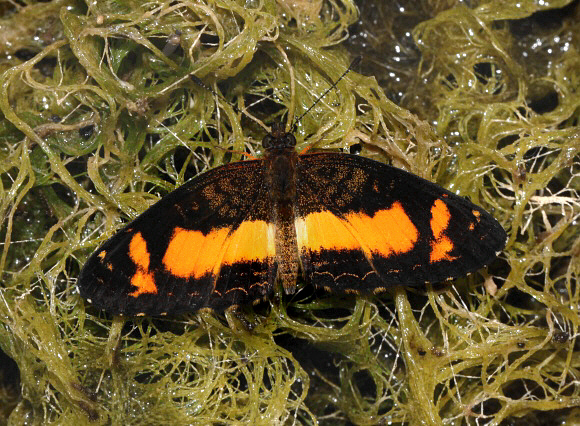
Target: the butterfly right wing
pixel 208 244
pixel 362 226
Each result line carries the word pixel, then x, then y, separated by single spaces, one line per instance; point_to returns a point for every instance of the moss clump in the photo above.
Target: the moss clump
pixel 99 118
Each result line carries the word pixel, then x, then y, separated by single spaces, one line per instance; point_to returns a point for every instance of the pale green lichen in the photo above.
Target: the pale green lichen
pixel 131 126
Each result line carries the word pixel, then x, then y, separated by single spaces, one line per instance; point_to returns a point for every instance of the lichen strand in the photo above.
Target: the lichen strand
pixel 97 122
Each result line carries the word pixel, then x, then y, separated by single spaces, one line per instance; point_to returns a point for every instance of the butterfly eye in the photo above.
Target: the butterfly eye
pixel 267 141
pixel 289 140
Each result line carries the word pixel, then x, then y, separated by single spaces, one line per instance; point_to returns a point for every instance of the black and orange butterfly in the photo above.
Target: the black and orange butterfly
pixel 345 222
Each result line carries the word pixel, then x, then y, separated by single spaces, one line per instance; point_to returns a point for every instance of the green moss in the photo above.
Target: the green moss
pixel 488 105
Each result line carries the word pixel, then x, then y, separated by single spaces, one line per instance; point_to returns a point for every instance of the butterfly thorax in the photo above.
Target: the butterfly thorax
pixel 281 174
pixel 280 160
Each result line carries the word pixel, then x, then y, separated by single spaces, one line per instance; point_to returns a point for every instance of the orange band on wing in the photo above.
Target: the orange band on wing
pixel 194 254
pixel 144 282
pixel 442 245
pixel 142 279
pixel 389 231
pixel 138 251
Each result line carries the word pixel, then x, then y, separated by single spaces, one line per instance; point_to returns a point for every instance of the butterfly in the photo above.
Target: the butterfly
pixel 232 235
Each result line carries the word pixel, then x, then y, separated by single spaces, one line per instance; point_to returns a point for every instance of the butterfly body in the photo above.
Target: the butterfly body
pixel 347 223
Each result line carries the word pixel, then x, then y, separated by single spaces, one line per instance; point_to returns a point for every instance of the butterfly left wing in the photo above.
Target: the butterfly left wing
pixel 208 244
pixel 362 226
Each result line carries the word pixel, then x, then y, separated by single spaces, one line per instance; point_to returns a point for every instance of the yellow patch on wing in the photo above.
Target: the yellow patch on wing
pixel 143 279
pixel 251 241
pixel 324 230
pixel 389 231
pixel 193 254
pixel 441 245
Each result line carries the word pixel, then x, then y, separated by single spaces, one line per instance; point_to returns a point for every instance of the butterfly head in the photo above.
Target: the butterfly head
pixel 278 138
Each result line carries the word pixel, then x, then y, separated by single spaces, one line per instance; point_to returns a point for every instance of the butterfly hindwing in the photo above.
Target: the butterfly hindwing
pixel 362 225
pixel 190 250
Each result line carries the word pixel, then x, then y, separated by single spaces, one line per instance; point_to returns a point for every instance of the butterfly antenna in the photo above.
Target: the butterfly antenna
pixel 201 84
pixel 353 64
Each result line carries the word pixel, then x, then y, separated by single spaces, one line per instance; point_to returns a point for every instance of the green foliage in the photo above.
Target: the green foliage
pixel 98 122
